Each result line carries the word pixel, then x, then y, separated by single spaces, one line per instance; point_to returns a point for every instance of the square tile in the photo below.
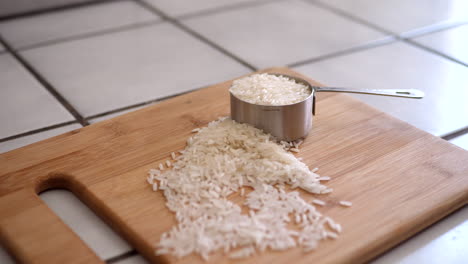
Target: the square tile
pixel 452 42
pixel 39 29
pixel 24 104
pixel 88 226
pixel 399 65
pixel 115 70
pixel 461 141
pixel 405 16
pixel 26 140
pixel 12 7
pixel 182 7
pixel 281 33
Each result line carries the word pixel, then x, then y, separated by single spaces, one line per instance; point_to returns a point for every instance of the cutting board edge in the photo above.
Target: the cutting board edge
pixel 117 118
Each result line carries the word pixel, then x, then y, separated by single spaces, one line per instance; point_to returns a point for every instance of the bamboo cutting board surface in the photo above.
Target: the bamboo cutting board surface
pixel 400 180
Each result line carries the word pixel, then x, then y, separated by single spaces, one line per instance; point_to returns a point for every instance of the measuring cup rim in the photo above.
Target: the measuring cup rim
pixel 312 91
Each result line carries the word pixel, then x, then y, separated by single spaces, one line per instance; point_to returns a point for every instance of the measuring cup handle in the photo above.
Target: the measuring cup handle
pixel 407 93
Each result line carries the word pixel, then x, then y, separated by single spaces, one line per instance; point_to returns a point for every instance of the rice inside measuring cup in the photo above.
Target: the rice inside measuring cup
pixel 268 89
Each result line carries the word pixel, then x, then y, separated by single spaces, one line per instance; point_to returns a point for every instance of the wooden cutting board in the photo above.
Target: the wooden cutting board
pixel 399 178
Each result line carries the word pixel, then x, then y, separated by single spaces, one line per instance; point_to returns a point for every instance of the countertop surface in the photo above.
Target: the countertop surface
pixel 68 64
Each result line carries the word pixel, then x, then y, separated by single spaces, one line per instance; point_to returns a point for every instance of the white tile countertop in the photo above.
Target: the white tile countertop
pixel 67 64
pixel 24 33
pixel 300 30
pixel 402 65
pixel 450 42
pixel 8 9
pixel 24 104
pixel 80 69
pixel 177 8
pixel 404 17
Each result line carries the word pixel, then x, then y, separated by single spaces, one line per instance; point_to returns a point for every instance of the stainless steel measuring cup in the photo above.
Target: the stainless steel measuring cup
pixel 294 121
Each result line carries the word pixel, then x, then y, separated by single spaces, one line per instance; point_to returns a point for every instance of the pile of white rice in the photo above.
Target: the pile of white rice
pixel 267 89
pixel 227 157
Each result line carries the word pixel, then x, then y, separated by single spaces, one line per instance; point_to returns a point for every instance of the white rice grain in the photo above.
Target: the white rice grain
pixel 149 180
pixel 298 143
pixel 332 235
pixel 294 150
pixel 242 253
pixel 224 158
pixel 346 203
pixel 318 202
pixel 334 226
pixel 154 172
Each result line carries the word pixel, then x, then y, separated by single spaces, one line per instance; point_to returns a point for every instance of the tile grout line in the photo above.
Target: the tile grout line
pixel 91 34
pixel 375 44
pixel 427 30
pixel 54 9
pixel 137 25
pixel 35 131
pixel 45 83
pixel 351 17
pixel 431 50
pixel 225 8
pixel 406 39
pixel 455 134
pixel 97 2
pixel 388 39
pixel 121 109
pixel 122 256
pixel 193 33
pixel 117 110
pixel 414 33
pixel 400 37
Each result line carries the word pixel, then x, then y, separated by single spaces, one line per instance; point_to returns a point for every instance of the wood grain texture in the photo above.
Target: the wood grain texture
pixel 400 179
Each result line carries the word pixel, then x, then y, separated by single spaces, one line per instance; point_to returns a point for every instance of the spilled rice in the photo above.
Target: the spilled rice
pixel 227 157
pixel 268 89
pixel 346 203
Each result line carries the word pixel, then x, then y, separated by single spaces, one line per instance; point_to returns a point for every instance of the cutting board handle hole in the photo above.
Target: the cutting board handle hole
pixel 70 201
pixel 105 243
pixel 53 181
